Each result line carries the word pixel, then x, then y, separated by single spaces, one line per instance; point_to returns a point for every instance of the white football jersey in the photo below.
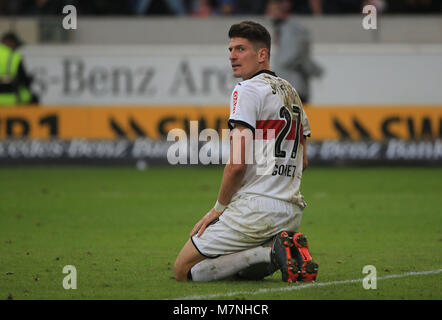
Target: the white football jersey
pixel 265 102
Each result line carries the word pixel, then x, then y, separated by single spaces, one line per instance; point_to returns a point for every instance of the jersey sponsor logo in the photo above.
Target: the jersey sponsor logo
pixel 235 101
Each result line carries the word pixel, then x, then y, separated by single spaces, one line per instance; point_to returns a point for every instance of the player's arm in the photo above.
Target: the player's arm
pixel 305 133
pixel 234 172
pixel 235 169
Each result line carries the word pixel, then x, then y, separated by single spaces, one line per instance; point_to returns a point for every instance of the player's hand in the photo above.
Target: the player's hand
pixel 204 222
pixel 304 163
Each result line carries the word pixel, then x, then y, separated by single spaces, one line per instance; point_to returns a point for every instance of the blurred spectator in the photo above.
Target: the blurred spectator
pixel 15 83
pixel 316 7
pixel 250 7
pixel 212 7
pixel 38 7
pixel 55 7
pixel 292 60
pixel 100 7
pixel 226 7
pixel 320 7
pixel 201 8
pixel 413 6
pixel 307 7
pixel 178 7
pixel 343 6
pixel 379 4
pixel 158 7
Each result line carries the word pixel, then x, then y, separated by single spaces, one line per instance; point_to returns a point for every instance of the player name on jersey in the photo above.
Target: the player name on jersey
pixel 284 170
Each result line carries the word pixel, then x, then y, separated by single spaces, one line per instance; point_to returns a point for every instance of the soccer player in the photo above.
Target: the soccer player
pixel 252 229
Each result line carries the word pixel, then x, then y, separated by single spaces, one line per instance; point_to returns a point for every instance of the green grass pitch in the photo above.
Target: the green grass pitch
pixel 122 228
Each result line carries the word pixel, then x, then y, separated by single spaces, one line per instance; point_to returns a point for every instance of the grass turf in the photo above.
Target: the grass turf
pixel 122 229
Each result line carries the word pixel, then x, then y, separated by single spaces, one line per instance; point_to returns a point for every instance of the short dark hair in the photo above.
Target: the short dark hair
pixel 252 31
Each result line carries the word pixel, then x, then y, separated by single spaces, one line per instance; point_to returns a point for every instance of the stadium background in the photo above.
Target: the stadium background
pixel 134 74
pixel 111 90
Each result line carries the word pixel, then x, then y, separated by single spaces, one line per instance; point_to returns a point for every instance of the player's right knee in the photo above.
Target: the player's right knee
pixel 186 259
pixel 180 270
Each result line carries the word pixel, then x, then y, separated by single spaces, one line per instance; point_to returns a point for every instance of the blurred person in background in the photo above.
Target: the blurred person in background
pixel 15 83
pixel 158 7
pixel 201 8
pixel 342 6
pixel 324 7
pixel 292 60
pixel 226 7
pixel 313 7
pixel 250 7
pixel 413 6
pixel 36 7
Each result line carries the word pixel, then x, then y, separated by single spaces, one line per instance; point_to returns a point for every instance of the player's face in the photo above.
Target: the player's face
pixel 244 58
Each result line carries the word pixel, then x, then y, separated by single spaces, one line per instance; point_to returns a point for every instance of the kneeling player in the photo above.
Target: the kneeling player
pixel 252 229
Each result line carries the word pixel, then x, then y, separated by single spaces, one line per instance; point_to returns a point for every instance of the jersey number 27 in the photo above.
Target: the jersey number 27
pixel 290 116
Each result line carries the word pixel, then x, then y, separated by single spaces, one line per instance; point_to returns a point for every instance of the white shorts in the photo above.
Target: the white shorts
pixel 247 222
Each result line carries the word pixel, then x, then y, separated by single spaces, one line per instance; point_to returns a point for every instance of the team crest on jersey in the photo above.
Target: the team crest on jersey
pixel 235 101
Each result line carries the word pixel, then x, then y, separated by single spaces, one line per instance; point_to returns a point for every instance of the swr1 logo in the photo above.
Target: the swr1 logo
pixel 22 127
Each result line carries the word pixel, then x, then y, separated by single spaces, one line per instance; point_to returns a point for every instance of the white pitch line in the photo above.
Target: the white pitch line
pixel 306 286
